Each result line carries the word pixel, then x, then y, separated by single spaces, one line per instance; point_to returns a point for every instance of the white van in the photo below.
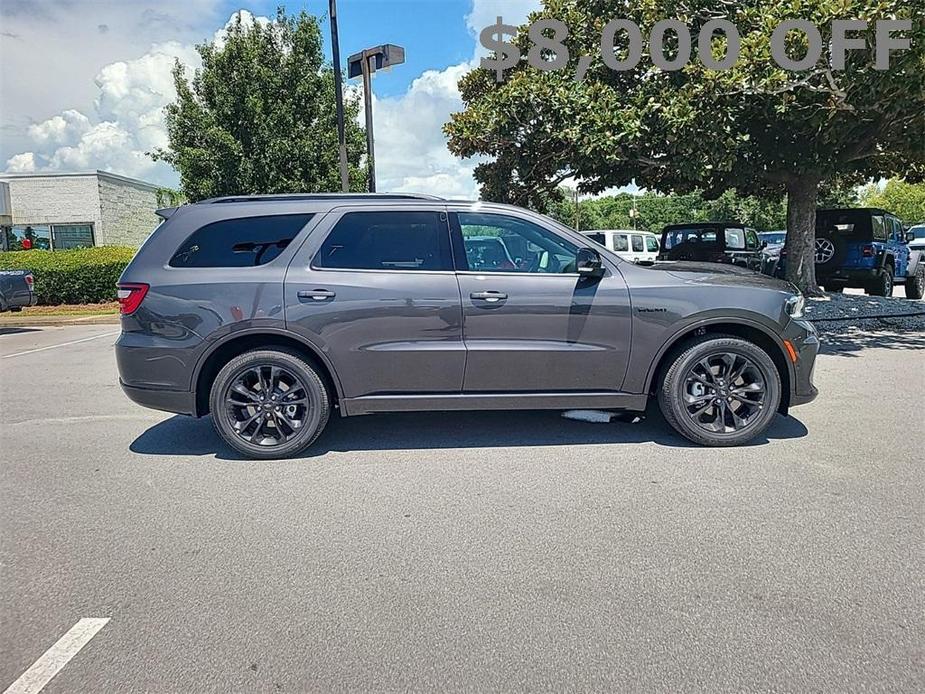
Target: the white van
pixel 635 246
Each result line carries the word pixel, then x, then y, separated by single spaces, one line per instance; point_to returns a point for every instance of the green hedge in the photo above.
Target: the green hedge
pixel 79 276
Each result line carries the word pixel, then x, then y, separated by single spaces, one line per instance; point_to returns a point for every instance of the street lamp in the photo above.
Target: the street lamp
pixel 339 99
pixel 366 63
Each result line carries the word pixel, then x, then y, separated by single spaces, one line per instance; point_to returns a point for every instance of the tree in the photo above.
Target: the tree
pixel 906 200
pixel 755 127
pixel 259 117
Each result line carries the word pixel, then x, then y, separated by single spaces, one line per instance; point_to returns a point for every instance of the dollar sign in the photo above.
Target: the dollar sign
pixel 492 38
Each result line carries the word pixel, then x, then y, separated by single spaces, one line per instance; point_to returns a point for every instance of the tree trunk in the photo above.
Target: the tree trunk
pixel 801 233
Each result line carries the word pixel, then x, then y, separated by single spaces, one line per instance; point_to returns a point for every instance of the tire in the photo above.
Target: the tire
pixel 679 382
pixel 883 283
pixel 915 285
pixel 271 435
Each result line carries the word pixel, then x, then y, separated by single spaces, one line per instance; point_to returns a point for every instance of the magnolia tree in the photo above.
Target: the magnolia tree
pixel 752 125
pixel 259 117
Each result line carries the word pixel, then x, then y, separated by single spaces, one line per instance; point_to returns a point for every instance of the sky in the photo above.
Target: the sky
pixel 84 82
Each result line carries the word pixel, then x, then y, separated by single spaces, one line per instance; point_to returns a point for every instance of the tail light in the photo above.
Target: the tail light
pixel 130 297
pixel 867 251
pixel 29 280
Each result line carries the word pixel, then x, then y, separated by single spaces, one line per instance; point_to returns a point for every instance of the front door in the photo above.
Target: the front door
pixel 530 322
pixel 376 292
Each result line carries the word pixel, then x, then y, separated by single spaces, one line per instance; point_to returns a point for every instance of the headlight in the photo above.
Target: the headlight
pixel 795 305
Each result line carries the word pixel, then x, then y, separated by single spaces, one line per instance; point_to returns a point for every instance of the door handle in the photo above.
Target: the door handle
pixel 489 296
pixel 317 294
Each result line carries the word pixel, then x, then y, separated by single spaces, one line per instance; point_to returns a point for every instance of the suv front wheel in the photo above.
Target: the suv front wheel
pixel 269 403
pixel 720 391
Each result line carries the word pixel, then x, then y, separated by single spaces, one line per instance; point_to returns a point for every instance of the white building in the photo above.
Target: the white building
pixel 70 210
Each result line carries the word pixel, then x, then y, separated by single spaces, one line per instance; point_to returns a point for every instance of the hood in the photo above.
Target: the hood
pixel 720 274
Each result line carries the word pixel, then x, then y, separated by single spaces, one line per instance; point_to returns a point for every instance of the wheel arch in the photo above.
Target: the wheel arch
pixel 239 342
pixel 748 330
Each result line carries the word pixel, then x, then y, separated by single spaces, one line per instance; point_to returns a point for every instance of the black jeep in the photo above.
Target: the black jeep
pixel 712 242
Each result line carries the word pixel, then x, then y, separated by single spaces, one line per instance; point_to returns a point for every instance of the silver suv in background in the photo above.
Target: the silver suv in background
pixel 271 312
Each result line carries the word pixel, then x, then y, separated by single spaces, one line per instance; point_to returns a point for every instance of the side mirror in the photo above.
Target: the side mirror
pixel 764 244
pixel 588 263
pixel 909 236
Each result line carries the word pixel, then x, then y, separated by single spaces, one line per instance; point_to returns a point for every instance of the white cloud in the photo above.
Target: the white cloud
pixel 125 119
pixel 486 12
pixel 21 163
pixel 411 152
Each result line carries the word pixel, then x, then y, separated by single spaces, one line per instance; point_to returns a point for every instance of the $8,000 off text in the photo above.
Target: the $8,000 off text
pixel 549 52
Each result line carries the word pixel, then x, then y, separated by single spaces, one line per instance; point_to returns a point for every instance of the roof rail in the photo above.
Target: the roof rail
pixel 309 197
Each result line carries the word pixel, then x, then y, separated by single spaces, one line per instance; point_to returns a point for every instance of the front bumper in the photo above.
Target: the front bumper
pixel 802 335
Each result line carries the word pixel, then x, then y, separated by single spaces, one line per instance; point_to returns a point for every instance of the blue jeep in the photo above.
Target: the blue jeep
pixel 865 248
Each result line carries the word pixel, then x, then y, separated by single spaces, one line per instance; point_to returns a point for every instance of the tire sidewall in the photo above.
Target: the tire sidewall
pixel 670 395
pixel 314 386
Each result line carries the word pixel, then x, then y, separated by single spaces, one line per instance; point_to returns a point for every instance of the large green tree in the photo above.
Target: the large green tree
pixel 259 116
pixel 907 200
pixel 755 127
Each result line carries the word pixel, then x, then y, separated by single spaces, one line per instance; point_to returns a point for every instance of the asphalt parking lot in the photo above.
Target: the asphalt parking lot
pixel 489 551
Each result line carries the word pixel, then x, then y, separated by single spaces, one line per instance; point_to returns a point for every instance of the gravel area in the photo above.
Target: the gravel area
pixel 841 313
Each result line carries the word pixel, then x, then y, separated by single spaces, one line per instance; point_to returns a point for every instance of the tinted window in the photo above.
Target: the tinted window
pixel 735 239
pixel 751 239
pixel 637 243
pixel 879 229
pixel 597 238
pixel 676 237
pixel 651 244
pixel 241 242
pixel 72 236
pixel 387 241
pixel 620 243
pixel 498 243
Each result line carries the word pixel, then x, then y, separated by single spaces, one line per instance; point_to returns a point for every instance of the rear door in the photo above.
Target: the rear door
pixel 375 290
pixel 539 327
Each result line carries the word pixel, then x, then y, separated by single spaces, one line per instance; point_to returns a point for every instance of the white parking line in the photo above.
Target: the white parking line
pixel 56 657
pixel 62 344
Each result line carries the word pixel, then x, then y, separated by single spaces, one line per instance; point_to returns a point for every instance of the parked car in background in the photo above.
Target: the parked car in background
pixel 270 312
pixel 773 238
pixel 16 291
pixel 712 242
pixel 915 233
pixel 635 246
pixel 865 248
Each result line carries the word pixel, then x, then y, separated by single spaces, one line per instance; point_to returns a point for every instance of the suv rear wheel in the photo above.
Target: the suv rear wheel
pixel 882 284
pixel 269 403
pixel 720 391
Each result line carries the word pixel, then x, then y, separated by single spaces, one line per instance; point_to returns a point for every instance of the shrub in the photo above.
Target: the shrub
pixel 78 276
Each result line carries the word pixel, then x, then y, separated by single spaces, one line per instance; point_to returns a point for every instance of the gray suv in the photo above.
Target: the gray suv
pixel 269 312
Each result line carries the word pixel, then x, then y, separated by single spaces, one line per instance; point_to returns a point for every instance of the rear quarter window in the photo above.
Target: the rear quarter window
pixel 243 242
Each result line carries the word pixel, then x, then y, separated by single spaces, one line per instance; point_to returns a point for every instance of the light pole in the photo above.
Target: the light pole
pixel 339 98
pixel 365 63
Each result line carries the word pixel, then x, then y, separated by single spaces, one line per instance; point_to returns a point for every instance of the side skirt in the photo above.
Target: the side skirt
pixel 369 404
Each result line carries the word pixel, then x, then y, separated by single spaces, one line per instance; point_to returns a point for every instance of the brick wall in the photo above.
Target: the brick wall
pixel 56 200
pixel 121 211
pixel 127 212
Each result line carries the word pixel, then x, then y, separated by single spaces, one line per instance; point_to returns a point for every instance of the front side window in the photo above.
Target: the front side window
pixel 387 241
pixel 751 239
pixel 637 243
pixel 244 242
pixel 651 244
pixel 498 243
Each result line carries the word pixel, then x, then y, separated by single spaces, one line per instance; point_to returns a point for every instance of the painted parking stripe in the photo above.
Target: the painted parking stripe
pixel 56 657
pixel 62 344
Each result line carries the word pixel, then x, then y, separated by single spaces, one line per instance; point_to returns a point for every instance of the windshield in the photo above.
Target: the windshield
pixel 773 237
